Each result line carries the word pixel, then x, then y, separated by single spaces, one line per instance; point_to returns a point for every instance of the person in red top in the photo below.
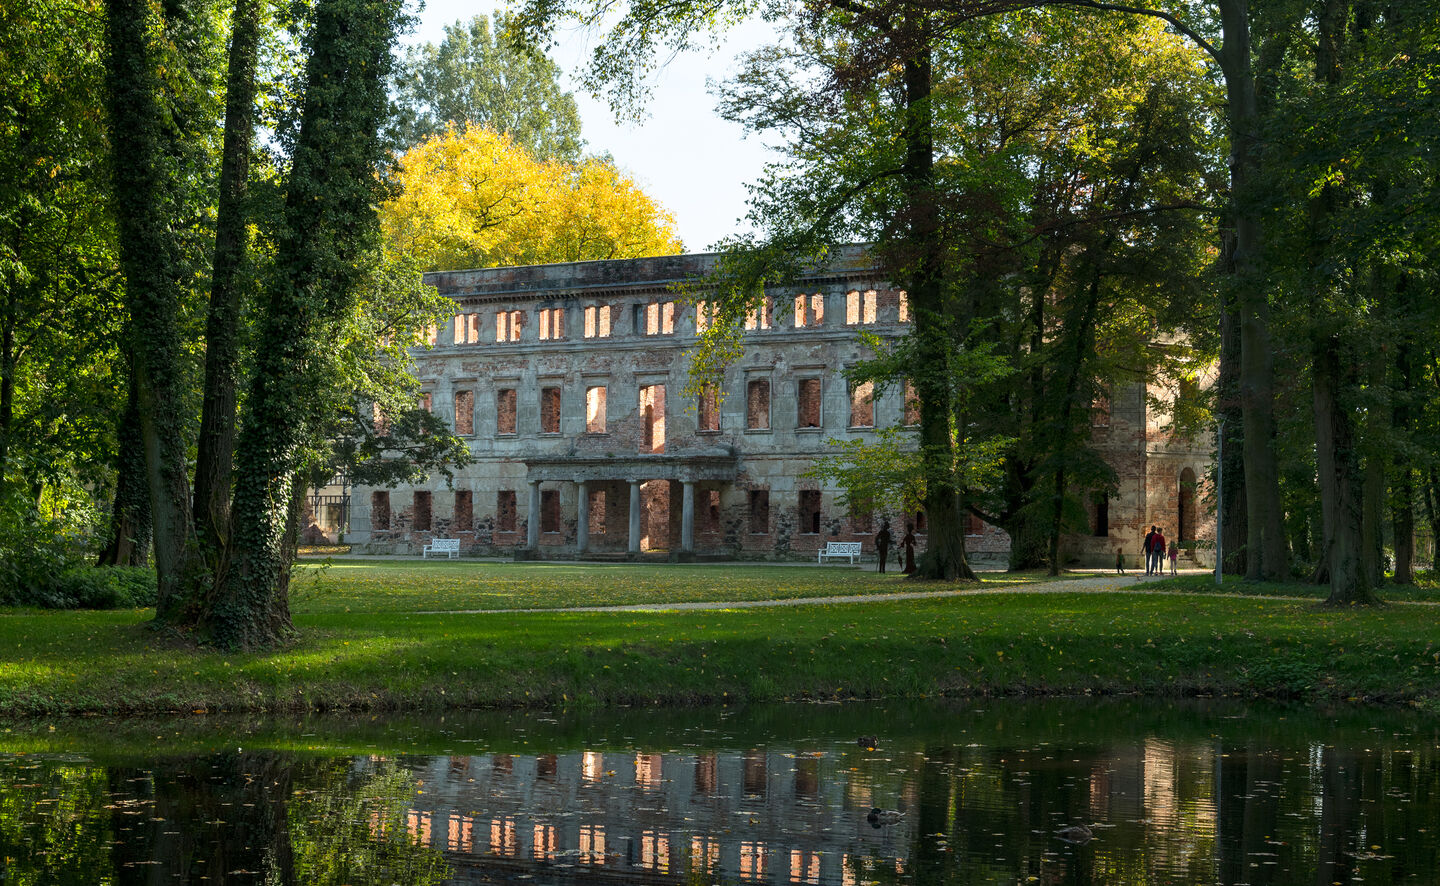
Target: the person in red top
pixel 1157 553
pixel 1148 549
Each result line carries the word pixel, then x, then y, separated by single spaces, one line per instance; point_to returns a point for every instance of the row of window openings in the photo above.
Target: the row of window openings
pixel 658 318
pixel 652 408
pixel 708 512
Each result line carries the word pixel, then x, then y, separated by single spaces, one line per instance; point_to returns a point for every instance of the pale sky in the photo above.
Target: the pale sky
pixel 682 153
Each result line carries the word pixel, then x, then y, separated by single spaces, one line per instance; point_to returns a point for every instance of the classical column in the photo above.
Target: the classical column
pixel 582 522
pixel 687 517
pixel 532 525
pixel 634 516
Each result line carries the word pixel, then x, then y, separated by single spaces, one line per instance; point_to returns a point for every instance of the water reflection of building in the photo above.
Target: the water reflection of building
pixel 755 817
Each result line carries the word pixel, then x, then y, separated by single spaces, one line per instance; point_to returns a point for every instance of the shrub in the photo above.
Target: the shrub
pixel 86 587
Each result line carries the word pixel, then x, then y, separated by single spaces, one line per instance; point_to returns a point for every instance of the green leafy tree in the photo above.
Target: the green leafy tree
pixel 329 228
pixel 1354 249
pixel 477 77
pixel 900 34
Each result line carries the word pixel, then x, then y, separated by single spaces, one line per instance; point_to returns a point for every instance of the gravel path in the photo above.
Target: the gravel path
pixel 1103 583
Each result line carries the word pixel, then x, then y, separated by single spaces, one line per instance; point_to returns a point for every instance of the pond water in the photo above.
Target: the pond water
pixel 999 791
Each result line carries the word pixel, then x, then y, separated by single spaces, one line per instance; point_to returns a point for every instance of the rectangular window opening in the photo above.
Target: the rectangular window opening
pixel 552 323
pixel 862 405
pixel 597 321
pixel 711 510
pixel 595 409
pixel 708 418
pixel 549 510
pixel 505 510
pixel 912 405
pixel 549 410
pixel 859 307
pixel 421 521
pixel 760 511
pixel 652 418
pixel 464 519
pixel 597 511
pixel 464 412
pixel 810 511
pixel 809 403
pixel 505 411
pixel 380 510
pixel 759 317
pixel 757 404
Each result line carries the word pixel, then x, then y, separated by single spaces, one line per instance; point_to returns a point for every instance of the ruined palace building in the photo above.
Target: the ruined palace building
pixel 566 381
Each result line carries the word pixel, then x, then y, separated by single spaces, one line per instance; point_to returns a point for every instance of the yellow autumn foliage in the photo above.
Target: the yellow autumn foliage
pixel 472 198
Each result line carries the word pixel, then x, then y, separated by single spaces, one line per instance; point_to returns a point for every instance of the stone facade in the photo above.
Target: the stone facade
pixel 566 380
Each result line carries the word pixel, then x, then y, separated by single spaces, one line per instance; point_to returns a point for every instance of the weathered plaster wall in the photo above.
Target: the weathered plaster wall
pixel 726 465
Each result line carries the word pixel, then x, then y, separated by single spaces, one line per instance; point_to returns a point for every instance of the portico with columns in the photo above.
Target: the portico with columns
pixel 650 521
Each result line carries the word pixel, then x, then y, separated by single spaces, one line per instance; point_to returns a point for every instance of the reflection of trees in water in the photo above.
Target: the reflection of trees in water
pixel 353 829
pixel 1252 812
pixel 47 816
pixel 269 818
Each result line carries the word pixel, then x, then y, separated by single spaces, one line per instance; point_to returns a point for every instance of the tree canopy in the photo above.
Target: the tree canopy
pixel 476 77
pixel 474 198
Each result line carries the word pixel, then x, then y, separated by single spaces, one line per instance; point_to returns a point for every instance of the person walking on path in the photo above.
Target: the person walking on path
pixel 882 544
pixel 908 543
pixel 1174 555
pixel 1120 561
pixel 1149 547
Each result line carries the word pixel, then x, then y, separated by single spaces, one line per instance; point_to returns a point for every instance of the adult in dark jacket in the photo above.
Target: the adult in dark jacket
pixel 882 544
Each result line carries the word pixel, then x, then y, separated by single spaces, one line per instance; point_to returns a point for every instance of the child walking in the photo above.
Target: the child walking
pixel 1174 554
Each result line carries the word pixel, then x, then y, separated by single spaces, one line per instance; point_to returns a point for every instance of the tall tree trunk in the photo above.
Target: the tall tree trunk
pixel 1338 467
pixel 1231 427
pixel 1266 555
pixel 944 556
pixel 1402 501
pixel 1372 513
pixel 1082 329
pixel 129 538
pixel 1403 521
pixel 8 366
pixel 215 457
pixel 142 144
pixel 329 223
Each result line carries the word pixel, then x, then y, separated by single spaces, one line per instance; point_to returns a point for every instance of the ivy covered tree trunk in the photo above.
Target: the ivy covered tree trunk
pixel 329 222
pixel 215 459
pixel 129 536
pixel 142 143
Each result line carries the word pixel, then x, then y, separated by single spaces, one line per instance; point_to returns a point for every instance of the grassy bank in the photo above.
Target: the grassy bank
pixel 385 657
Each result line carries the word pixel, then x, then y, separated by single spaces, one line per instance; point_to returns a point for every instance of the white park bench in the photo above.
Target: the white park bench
pixel 849 549
pixel 447 546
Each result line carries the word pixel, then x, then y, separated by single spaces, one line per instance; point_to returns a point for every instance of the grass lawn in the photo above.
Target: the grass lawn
pixel 351 654
pixel 1424 590
pixel 421 585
